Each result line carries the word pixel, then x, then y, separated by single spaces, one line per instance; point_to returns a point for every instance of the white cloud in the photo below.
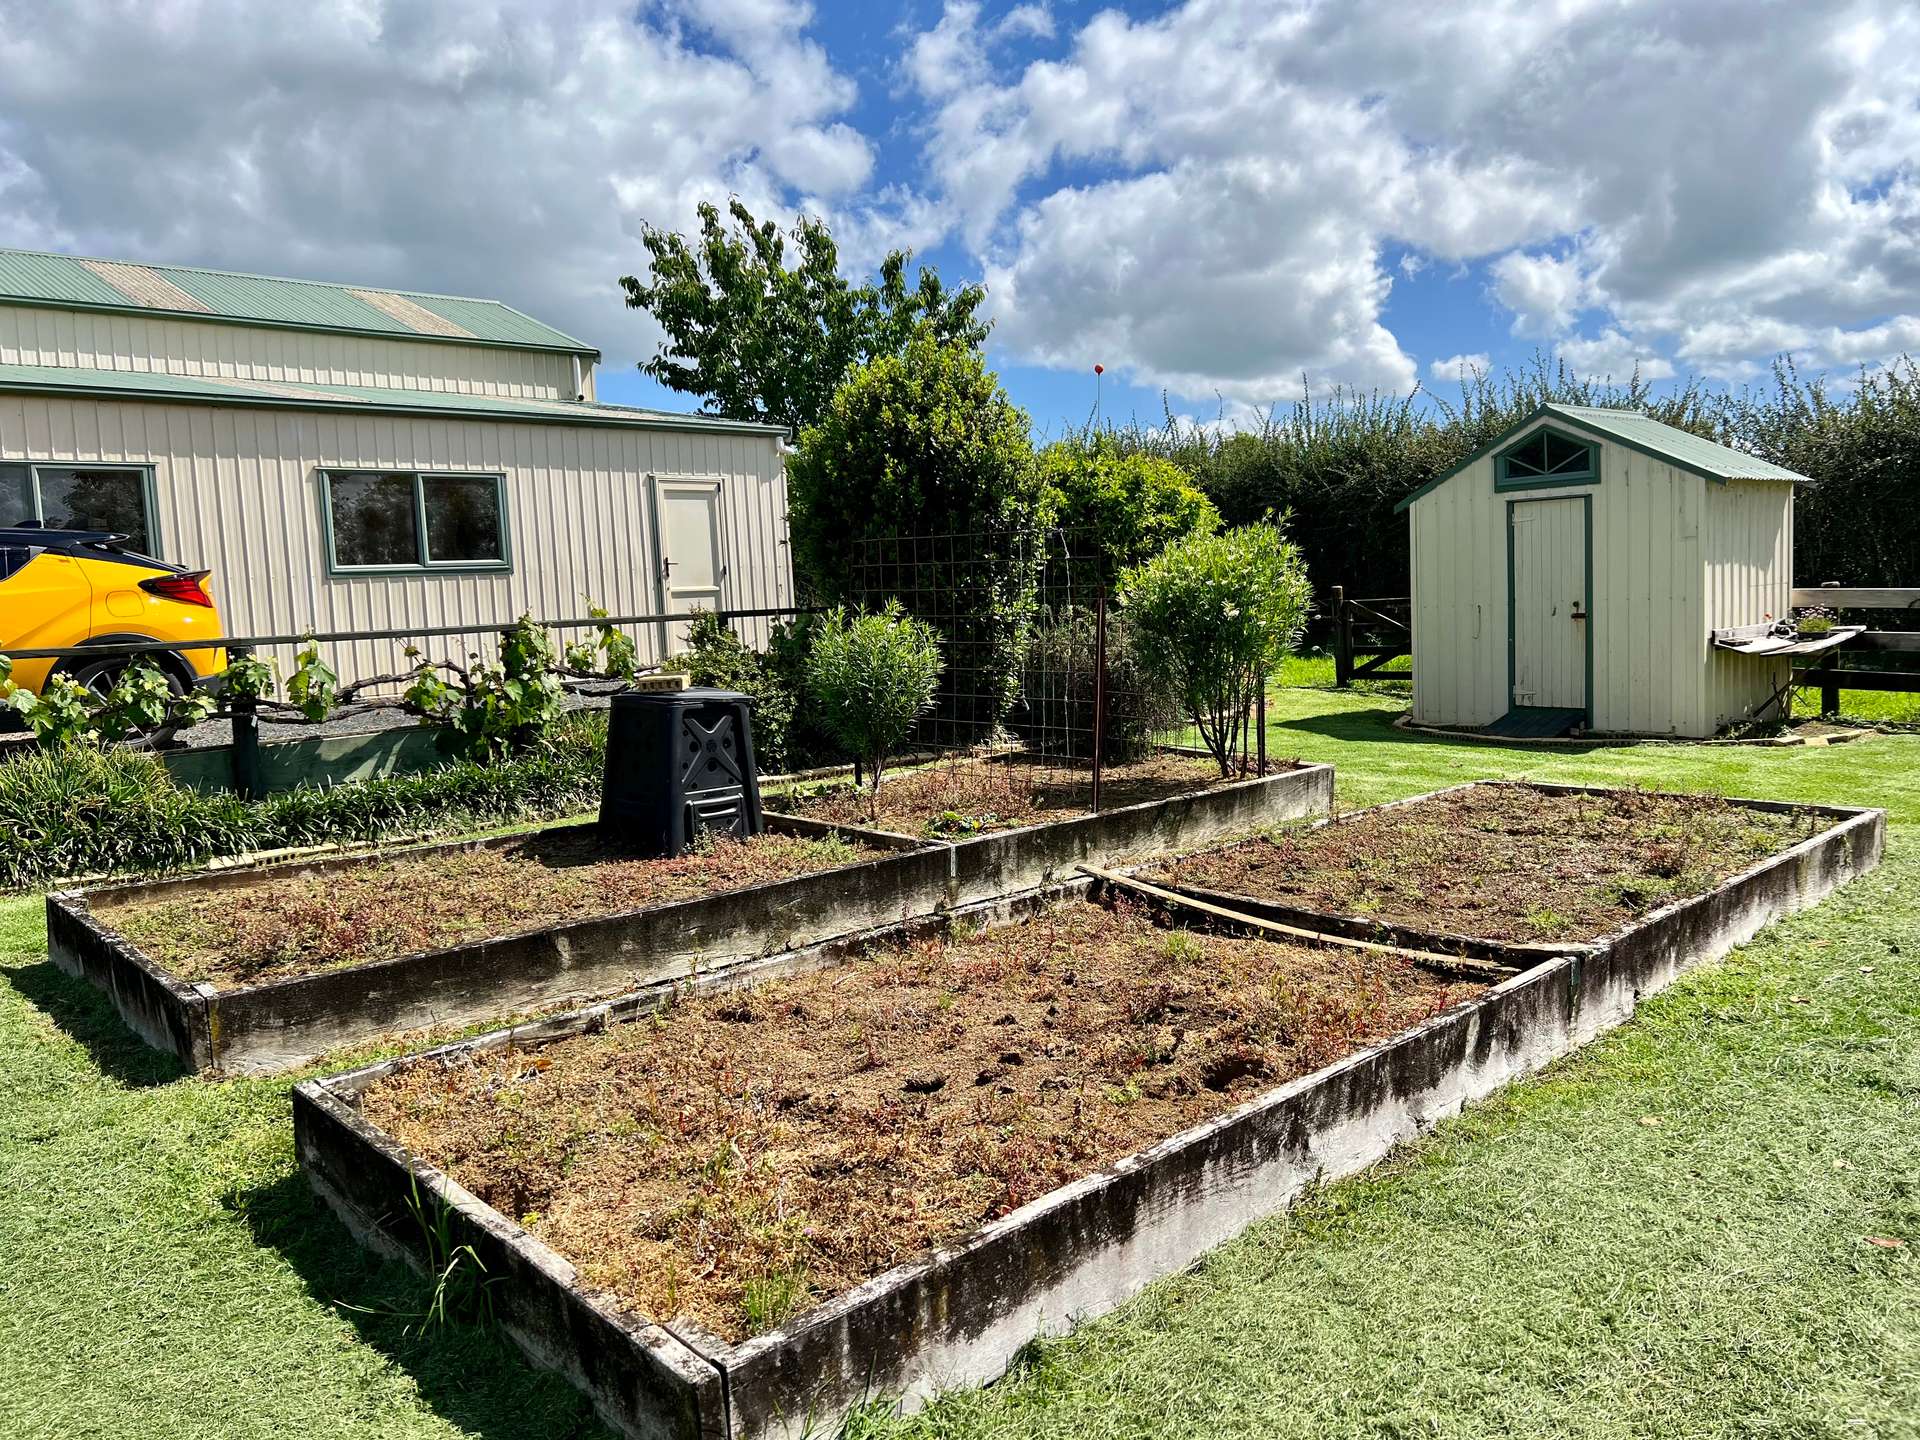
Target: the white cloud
pixel 1543 292
pixel 1206 195
pixel 1456 368
pixel 508 149
pixel 1612 356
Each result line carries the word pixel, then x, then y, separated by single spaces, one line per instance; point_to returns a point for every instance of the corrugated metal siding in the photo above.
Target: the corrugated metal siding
pixel 238 490
pixel 176 345
pixel 1650 663
pixel 1749 581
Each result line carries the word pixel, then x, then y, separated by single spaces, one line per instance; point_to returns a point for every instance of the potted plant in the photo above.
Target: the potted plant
pixel 1813 622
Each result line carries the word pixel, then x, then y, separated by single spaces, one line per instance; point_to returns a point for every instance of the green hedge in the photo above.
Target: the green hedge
pixel 83 811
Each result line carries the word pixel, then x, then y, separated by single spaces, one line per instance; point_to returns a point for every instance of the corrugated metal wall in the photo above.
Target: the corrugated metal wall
pixel 1654 529
pixel 171 345
pixel 1749 581
pixel 238 491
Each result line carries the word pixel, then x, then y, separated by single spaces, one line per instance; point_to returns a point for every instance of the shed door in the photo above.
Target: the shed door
pixel 1549 600
pixel 692 569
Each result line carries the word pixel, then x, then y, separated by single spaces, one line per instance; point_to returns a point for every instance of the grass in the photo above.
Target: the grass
pixel 1546 1264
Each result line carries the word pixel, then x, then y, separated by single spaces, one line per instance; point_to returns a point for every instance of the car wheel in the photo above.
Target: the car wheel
pixel 98 678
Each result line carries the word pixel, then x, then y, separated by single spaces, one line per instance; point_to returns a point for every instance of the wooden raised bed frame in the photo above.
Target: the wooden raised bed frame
pixel 279 1024
pixel 959 1314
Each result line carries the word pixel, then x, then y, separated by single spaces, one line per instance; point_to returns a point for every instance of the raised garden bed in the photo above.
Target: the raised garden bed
pixel 265 967
pixel 813 1181
pixel 1501 860
pixel 260 968
pixel 1010 823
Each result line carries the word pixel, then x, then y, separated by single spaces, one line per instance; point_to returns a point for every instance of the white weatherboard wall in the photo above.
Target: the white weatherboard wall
pixel 1663 539
pixel 238 491
pixel 222 349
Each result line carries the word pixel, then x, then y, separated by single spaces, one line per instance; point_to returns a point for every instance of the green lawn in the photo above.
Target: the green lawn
pixel 1547 1264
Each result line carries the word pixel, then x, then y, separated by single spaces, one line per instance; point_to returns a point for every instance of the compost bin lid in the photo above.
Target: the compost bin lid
pixel 693 695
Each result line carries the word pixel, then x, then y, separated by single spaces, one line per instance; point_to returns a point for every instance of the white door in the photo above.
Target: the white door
pixel 692 571
pixel 1549 599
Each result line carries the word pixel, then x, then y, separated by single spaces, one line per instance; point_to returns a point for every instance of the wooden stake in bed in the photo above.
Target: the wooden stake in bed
pixel 1461 965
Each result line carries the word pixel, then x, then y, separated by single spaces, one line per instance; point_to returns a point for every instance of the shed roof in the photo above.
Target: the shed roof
pixel 71 282
pixel 1680 448
pixel 62 380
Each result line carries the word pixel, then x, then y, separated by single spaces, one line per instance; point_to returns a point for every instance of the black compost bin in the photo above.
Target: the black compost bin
pixel 679 765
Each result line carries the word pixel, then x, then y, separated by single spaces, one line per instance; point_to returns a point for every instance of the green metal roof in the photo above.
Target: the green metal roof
pixel 360 399
pixel 1680 448
pixel 76 282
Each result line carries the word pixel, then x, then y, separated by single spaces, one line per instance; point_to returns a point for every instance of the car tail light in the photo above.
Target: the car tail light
pixel 184 587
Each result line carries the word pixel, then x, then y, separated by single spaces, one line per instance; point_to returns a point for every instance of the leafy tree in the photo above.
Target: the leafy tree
pixel 926 444
pixel 1214 615
pixel 759 335
pixel 873 676
pixel 1129 506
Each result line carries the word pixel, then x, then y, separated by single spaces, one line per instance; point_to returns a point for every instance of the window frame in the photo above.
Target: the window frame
pixel 424 565
pixel 1503 480
pixel 149 492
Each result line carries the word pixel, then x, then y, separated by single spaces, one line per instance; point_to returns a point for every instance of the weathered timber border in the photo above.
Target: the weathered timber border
pixel 959 1314
pixel 279 1024
pixel 1003 862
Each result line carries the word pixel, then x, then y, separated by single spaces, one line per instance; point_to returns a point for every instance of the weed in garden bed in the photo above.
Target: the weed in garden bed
pixel 1503 862
pixel 310 921
pixel 973 795
pixel 739 1155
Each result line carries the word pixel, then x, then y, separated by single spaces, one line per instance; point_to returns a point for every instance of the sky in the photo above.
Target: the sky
pixel 1221 203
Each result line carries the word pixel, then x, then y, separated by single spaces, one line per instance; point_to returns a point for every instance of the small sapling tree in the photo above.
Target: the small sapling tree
pixel 873 676
pixel 1214 614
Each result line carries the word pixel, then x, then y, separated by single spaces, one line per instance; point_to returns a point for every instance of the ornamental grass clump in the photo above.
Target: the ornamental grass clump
pixel 1214 615
pixel 873 676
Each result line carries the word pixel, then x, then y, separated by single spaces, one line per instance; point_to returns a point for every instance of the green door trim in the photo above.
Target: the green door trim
pixel 1586 515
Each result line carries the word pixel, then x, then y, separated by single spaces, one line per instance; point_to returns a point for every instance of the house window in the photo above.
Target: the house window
pixel 1546 457
pixel 404 520
pixel 114 498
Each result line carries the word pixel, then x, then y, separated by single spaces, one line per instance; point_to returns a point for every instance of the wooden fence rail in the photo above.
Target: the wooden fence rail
pixel 1369 633
pixel 1830 675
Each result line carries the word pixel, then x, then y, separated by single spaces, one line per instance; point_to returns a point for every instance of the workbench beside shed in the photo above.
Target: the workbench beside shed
pixel 1569 577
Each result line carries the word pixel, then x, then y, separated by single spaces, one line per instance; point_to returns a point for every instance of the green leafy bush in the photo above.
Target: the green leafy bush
pixel 78 810
pixel 926 443
pixel 718 657
pixel 1215 614
pixel 493 709
pixel 1057 690
pixel 1128 505
pixel 873 676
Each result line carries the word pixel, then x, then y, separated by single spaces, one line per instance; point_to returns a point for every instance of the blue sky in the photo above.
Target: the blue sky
pixel 1219 200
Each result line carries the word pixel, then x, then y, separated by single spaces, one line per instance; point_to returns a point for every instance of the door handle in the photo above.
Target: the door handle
pixel 1577 613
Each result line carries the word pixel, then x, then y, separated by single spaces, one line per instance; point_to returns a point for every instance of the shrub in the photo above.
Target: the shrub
pixel 78 810
pixel 1214 615
pixel 496 708
pixel 1127 506
pixel 718 657
pixel 926 443
pixel 873 676
pixel 809 741
pixel 1057 690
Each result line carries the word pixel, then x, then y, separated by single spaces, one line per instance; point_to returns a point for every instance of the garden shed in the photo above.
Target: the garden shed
pixel 1590 571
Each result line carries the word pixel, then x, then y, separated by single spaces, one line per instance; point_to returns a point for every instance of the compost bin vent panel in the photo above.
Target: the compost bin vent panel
pixel 679 765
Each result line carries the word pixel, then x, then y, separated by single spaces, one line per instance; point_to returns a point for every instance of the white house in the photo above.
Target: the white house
pixel 1571 574
pixel 347 458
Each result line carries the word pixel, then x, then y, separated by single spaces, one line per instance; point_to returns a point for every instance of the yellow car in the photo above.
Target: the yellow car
pixel 64 589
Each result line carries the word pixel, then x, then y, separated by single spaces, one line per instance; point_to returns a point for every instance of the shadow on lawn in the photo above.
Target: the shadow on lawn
pixel 89 1018
pixel 469 1374
pixel 1374 725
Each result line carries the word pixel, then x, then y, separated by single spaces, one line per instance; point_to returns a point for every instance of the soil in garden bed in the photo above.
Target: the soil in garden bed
pixel 741 1155
pixel 974 795
pixel 1505 862
pixel 325 920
